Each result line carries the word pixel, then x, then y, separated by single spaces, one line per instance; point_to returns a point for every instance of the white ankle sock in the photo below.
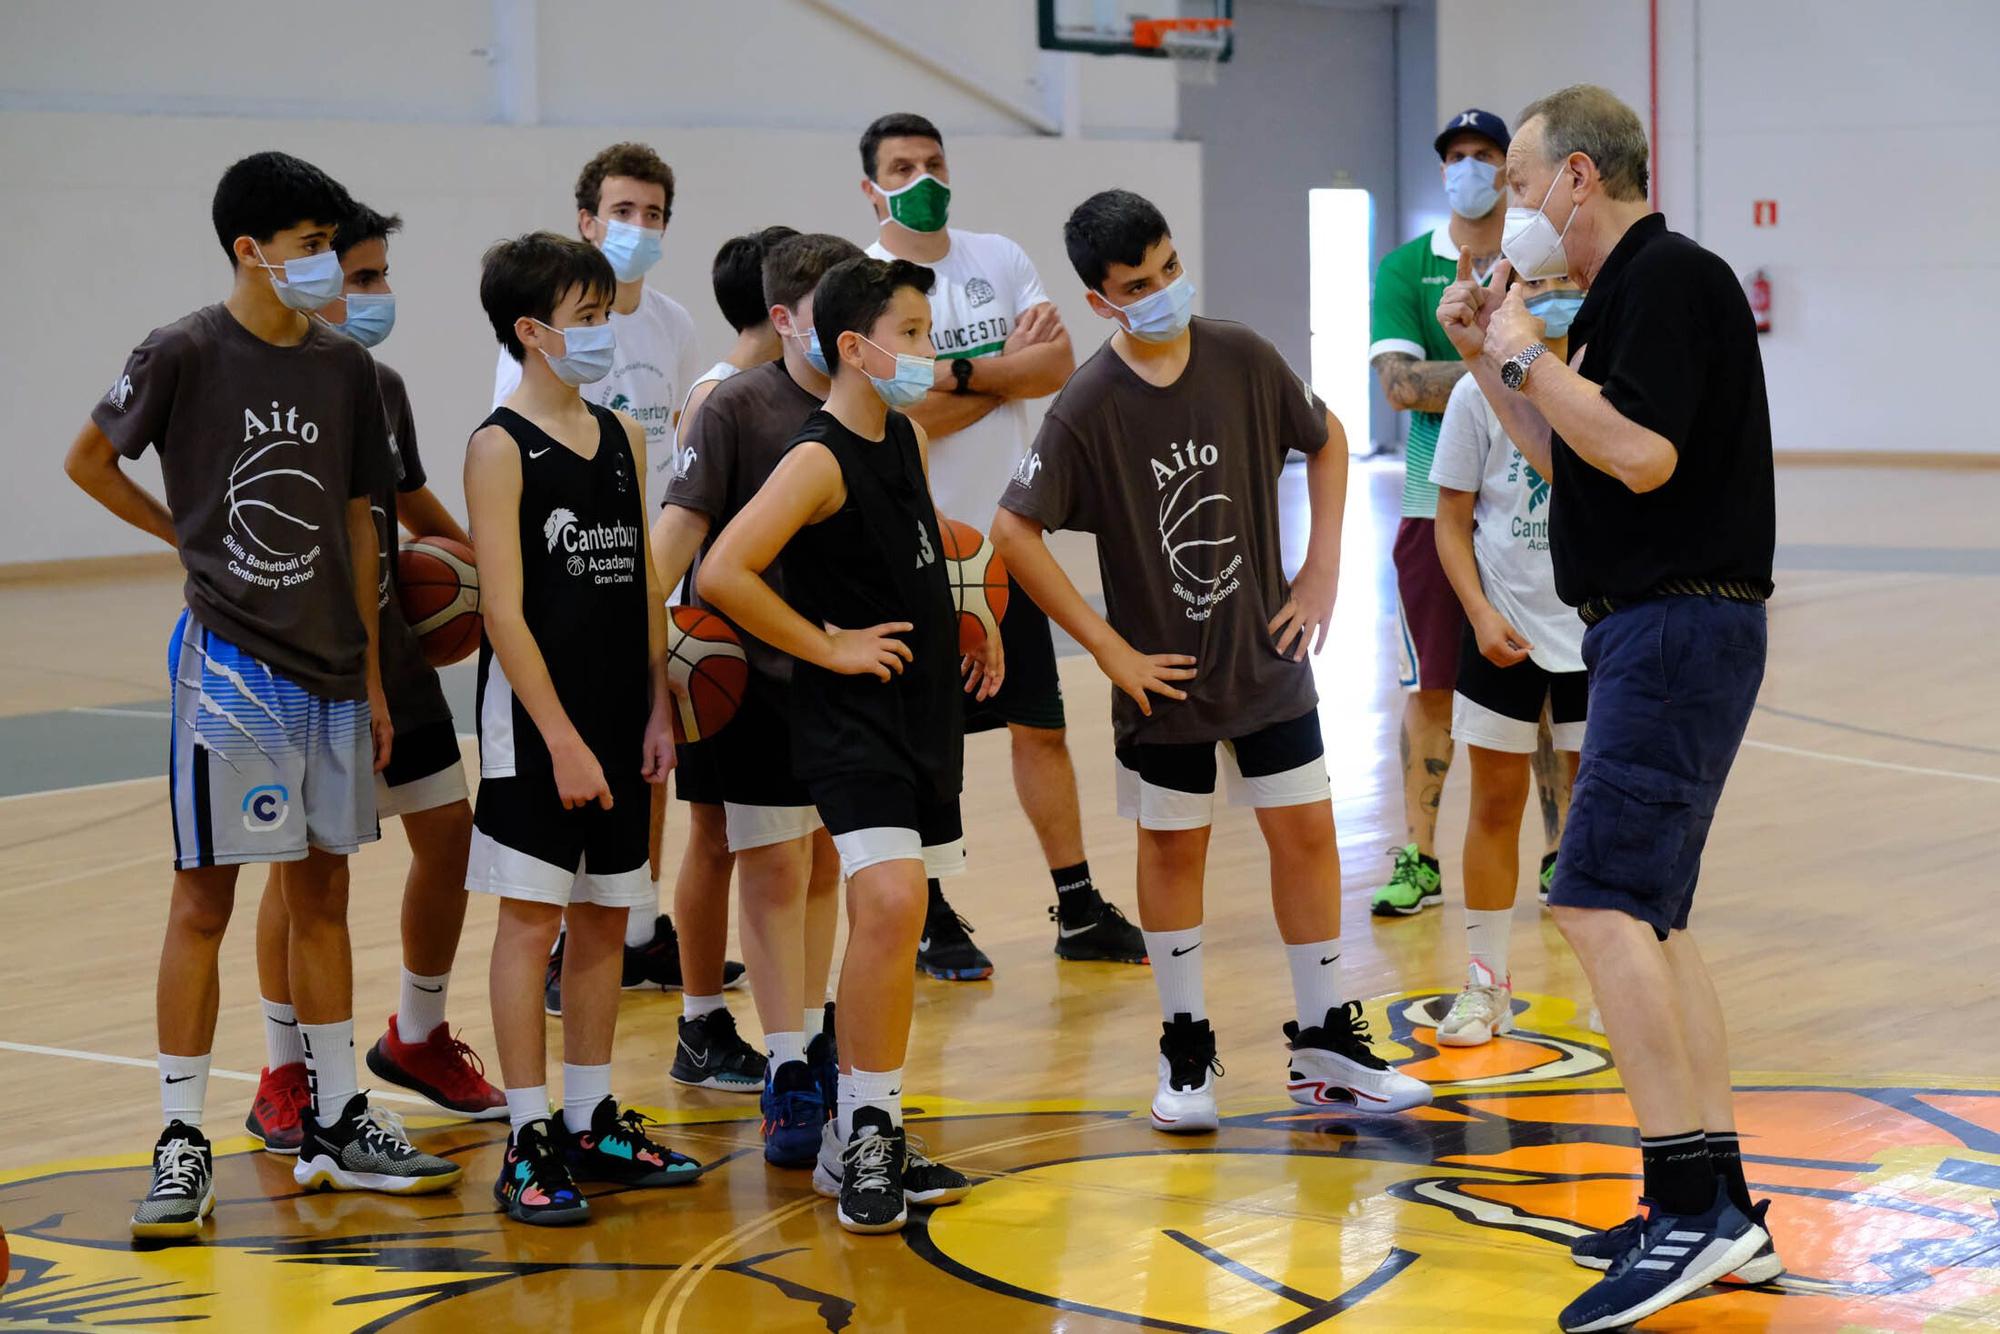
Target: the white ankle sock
pixel 525 1105
pixel 183 1089
pixel 281 1036
pixel 639 924
pixel 584 1086
pixel 1486 934
pixel 1316 979
pixel 420 1005
pixel 330 1068
pixel 785 1047
pixel 815 1021
pixel 694 1007
pixel 1176 960
pixel 869 1088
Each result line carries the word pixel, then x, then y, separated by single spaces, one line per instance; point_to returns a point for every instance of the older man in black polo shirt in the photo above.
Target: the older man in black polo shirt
pixel 1657 440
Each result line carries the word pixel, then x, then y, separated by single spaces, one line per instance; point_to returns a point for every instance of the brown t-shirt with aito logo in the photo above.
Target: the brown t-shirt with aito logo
pixel 261 447
pixel 1180 485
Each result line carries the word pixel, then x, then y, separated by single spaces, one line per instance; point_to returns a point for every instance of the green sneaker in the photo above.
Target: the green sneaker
pixel 1411 886
pixel 1548 877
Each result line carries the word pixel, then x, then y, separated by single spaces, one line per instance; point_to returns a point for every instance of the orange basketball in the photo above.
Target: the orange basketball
pixel 706 664
pixel 978 583
pixel 437 584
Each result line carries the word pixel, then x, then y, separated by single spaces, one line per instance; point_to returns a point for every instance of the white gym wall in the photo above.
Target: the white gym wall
pixel 116 119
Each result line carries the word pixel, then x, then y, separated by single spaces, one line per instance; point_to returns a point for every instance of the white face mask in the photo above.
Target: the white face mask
pixel 1531 242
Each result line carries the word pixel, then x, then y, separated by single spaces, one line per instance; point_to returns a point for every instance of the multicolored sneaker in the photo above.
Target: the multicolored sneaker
pixel 277 1114
pixel 1482 1012
pixel 183 1189
pixel 1672 1257
pixel 366 1149
pixel 657 963
pixel 711 1054
pixel 794 1114
pixel 1333 1065
pixel 1413 885
pixel 945 951
pixel 617 1150
pixel 1547 879
pixel 442 1068
pixel 1107 937
pixel 534 1185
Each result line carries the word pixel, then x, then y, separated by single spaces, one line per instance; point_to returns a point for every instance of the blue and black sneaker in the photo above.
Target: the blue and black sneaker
pixel 534 1186
pixel 1673 1257
pixel 823 1055
pixel 794 1115
pixel 616 1150
pixel 1600 1250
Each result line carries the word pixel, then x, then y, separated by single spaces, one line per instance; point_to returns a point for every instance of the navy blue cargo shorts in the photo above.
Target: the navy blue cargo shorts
pixel 1672 683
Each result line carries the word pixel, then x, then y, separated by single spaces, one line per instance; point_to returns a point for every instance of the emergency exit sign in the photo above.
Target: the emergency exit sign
pixel 1764 213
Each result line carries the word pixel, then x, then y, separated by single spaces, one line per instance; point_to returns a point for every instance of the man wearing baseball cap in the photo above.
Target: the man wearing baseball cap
pixel 1418 366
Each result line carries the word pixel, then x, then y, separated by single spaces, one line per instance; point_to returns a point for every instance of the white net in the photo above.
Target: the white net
pixel 1196 53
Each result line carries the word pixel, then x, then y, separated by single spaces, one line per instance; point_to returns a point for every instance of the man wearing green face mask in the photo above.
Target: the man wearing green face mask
pixel 999 343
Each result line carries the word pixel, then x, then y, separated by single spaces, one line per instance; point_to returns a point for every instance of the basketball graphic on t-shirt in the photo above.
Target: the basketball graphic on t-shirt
pixel 709 673
pixel 978 583
pixel 259 483
pixel 1191 536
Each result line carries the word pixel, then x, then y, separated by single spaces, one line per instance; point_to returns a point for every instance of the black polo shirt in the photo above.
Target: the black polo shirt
pixel 1667 333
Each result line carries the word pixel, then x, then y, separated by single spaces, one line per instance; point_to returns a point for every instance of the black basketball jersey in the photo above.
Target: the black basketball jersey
pixel 583 595
pixel 878 559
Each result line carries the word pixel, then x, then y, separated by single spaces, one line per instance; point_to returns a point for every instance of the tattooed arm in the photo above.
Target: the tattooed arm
pixel 1416 386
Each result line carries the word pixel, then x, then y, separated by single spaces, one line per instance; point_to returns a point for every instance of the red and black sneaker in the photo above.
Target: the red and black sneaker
pixel 442 1068
pixel 277 1115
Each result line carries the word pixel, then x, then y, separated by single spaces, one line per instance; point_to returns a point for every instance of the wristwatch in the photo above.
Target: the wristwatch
pixel 961 372
pixel 1514 370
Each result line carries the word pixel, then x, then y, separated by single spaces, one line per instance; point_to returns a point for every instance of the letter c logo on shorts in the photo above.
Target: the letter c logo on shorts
pixel 265 808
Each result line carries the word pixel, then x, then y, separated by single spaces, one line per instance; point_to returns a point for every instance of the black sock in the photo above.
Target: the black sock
pixel 1076 896
pixel 1725 1151
pixel 1548 860
pixel 937 897
pixel 1680 1179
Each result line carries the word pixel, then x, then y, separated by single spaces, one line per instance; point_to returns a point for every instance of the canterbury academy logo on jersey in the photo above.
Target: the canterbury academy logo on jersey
pixel 607 552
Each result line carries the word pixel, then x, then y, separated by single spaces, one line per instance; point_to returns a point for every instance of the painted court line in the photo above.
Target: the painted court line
pixel 148 1063
pixel 1873 764
pixel 83 787
pixel 101 712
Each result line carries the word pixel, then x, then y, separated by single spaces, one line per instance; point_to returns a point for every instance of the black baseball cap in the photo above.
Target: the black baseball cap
pixel 1473 121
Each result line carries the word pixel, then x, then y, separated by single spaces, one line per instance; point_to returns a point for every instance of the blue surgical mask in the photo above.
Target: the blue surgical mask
pixel 631 250
pixel 1556 311
pixel 1469 187
pixel 370 317
pixel 913 378
pixel 809 343
pixel 1159 317
pixel 307 283
pixel 588 351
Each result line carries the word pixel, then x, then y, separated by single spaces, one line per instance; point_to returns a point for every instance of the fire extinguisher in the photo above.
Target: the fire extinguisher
pixel 1759 289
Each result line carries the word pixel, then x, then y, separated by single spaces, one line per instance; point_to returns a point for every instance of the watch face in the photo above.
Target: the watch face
pixel 1511 374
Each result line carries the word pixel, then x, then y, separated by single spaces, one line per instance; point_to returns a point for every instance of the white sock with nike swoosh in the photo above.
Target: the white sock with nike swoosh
pixel 420 1005
pixel 868 1088
pixel 183 1089
pixel 1176 960
pixel 1316 980
pixel 282 1046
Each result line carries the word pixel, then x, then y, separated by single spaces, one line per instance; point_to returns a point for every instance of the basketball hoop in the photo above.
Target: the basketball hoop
pixel 1196 46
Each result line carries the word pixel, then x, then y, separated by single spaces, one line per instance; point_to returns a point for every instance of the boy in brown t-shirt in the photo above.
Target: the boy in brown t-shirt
pixel 271 437
pixel 1168 444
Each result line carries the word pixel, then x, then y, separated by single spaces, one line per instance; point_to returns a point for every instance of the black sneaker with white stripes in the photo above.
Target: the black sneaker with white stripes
pixel 366 1149
pixel 1672 1257
pixel 711 1054
pixel 1105 936
pixel 945 950
pixel 183 1190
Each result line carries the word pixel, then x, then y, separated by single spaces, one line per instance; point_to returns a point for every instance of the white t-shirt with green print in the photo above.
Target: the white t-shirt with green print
pixel 1510 533
pixel 984 284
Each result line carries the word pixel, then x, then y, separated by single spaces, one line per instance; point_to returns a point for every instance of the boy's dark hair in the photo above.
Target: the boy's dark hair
pixel 635 160
pixel 364 224
pixel 793 269
pixel 853 295
pixel 895 125
pixel 1110 227
pixel 738 276
pixel 267 193
pixel 531 274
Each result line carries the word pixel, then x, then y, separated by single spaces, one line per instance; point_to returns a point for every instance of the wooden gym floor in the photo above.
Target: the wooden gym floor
pixel 1847 911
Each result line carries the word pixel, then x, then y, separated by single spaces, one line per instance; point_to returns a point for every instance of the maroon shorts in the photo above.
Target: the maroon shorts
pixel 1429 620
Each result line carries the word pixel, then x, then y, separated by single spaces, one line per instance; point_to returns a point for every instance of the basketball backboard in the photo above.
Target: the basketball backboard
pixel 1158 29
